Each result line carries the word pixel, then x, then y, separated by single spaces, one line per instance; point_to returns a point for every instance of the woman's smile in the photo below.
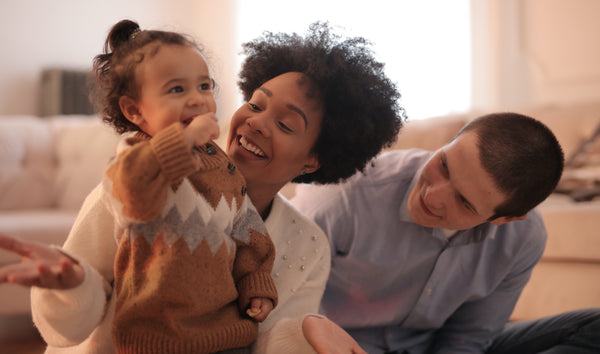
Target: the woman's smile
pixel 250 147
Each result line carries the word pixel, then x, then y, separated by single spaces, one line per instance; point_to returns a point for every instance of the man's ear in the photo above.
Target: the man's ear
pixel 312 164
pixel 504 219
pixel 130 110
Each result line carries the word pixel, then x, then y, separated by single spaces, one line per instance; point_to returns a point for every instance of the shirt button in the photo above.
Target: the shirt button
pixel 210 149
pixel 429 291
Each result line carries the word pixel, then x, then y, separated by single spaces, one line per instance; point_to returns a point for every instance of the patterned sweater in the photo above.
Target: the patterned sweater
pixel 192 252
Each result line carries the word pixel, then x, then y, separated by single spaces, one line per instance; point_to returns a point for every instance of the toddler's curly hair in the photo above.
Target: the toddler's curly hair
pixel 114 69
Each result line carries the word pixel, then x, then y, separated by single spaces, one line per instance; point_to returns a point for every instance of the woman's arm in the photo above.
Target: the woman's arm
pixel 67 317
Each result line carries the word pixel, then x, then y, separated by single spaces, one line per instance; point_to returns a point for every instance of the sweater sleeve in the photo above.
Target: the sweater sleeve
pixel 254 257
pixel 138 178
pixel 67 317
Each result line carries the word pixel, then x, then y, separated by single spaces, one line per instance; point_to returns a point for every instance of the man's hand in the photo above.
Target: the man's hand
pixel 327 337
pixel 41 266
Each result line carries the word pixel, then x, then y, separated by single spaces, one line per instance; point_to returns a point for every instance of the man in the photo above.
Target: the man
pixel 431 250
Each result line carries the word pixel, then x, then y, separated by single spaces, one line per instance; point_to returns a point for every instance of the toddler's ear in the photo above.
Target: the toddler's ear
pixel 130 110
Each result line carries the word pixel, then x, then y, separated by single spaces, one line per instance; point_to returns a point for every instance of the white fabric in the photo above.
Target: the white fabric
pixel 300 272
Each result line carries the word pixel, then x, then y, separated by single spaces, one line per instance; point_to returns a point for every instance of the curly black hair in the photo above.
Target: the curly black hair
pixel 362 112
pixel 114 69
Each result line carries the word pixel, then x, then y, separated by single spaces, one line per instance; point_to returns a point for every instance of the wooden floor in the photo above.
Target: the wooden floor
pixel 19 336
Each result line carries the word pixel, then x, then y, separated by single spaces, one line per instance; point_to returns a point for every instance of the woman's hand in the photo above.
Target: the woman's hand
pixel 327 337
pixel 41 266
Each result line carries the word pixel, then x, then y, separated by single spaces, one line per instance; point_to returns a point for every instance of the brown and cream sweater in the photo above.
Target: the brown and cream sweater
pixel 193 252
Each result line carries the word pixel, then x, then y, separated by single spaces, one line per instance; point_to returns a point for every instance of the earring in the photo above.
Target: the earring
pixel 303 172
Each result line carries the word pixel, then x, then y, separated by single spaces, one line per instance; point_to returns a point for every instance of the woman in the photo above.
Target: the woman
pixel 318 109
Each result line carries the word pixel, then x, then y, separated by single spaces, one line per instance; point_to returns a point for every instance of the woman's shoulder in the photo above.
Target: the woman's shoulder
pixel 286 219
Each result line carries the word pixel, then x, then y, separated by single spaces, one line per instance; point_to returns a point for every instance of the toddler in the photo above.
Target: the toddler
pixel 193 264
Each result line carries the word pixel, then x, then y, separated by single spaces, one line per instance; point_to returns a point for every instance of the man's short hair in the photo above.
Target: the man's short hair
pixel 523 157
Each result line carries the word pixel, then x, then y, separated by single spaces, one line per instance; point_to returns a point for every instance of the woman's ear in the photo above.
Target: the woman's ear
pixel 130 110
pixel 312 164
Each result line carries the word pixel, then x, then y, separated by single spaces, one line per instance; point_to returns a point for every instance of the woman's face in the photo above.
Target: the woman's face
pixel 271 136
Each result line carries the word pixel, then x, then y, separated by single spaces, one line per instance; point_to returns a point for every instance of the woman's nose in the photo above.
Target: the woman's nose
pixel 258 125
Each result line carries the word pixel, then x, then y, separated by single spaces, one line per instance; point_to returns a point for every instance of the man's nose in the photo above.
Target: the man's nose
pixel 437 194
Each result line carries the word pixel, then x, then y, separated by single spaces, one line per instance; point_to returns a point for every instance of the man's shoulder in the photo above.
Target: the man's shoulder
pixel 527 233
pixel 397 163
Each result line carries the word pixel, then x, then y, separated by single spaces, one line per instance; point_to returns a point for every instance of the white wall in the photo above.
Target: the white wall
pixel 529 52
pixel 524 51
pixel 35 34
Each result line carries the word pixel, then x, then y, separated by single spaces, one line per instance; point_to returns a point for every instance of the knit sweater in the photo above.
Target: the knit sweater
pixel 192 252
pixel 78 320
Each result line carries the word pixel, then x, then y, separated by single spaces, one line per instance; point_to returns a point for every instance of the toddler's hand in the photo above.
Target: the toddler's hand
pixel 41 266
pixel 203 128
pixel 259 309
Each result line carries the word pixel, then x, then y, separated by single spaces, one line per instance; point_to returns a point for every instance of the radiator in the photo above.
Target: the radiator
pixel 64 91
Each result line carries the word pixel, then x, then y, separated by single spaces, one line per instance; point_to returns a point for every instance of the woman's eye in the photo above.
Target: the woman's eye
pixel 176 89
pixel 253 107
pixel 285 127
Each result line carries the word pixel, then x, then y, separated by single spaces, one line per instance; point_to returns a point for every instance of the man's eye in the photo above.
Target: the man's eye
pixel 176 89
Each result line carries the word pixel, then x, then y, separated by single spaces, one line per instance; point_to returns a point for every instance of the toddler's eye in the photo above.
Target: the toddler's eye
pixel 176 89
pixel 209 85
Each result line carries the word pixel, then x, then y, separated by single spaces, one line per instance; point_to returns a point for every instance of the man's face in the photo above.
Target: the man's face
pixel 453 191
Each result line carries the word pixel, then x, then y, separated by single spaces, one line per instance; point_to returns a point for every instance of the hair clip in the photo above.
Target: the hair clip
pixel 135 33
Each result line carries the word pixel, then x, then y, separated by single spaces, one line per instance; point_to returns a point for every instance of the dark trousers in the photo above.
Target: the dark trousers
pixel 576 332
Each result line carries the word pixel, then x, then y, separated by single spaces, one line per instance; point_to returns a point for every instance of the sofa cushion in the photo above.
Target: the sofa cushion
pixel 83 145
pixel 28 164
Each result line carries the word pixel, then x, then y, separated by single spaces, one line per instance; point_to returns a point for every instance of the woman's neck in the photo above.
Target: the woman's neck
pixel 262 198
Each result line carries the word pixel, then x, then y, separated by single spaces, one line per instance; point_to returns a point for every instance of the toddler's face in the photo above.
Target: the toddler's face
pixel 175 86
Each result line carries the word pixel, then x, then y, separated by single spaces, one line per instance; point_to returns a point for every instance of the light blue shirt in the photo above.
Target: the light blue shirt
pixel 396 285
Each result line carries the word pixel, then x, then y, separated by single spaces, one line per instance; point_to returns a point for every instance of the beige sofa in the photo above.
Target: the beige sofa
pixel 50 164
